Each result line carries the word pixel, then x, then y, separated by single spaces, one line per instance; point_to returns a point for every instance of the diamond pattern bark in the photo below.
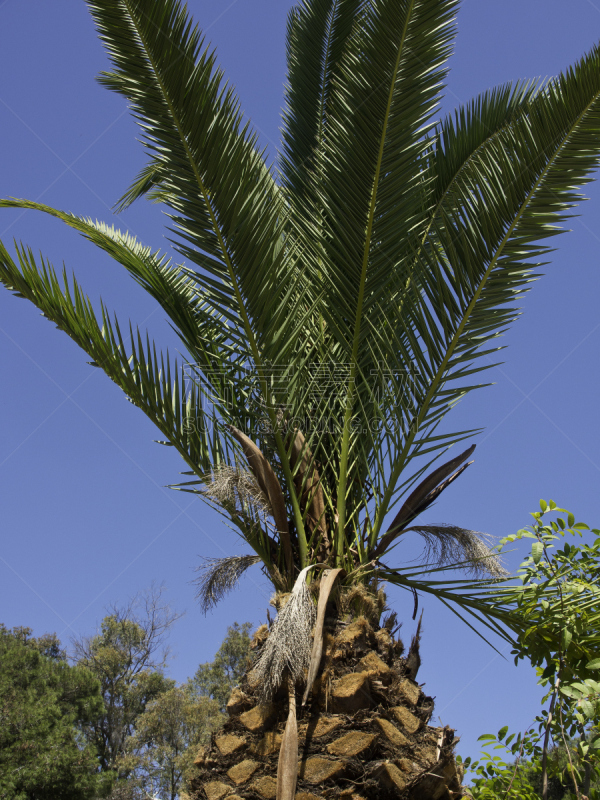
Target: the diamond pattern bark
pixel 362 736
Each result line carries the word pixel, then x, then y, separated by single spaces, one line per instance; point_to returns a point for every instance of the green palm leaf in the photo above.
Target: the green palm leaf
pixel 226 207
pixel 161 390
pixel 479 254
pixel 317 38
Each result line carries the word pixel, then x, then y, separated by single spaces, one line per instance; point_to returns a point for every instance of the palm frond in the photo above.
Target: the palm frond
pixel 228 485
pixel 147 183
pixel 288 648
pixel 222 199
pixel 218 576
pixel 144 375
pixel 480 603
pixel 150 381
pixel 317 36
pixel 450 544
pixel 225 206
pixel 477 257
pixel 386 91
pixel 219 358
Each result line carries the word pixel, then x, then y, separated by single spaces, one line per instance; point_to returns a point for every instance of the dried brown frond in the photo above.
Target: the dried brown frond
pixel 288 648
pixel 326 585
pixel 449 544
pixel 381 601
pixel 389 622
pixel 229 486
pixel 271 488
pixel 261 634
pixel 219 576
pixel 421 498
pixel 308 485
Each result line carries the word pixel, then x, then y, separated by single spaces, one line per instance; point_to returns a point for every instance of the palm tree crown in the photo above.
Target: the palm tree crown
pixel 336 306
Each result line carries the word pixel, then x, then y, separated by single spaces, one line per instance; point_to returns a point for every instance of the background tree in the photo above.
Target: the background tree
pixel 216 679
pixel 562 760
pixel 148 730
pixel 159 756
pixel 44 704
pixel 127 656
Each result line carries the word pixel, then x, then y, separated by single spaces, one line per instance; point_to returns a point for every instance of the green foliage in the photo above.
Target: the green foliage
pixel 560 784
pixel 44 703
pixel 127 658
pixel 560 596
pixel 495 778
pixel 159 757
pixel 112 723
pixel 517 771
pixel 217 678
pixel 560 593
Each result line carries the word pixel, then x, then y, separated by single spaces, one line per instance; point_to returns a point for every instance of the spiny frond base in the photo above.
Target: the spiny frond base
pixel 363 735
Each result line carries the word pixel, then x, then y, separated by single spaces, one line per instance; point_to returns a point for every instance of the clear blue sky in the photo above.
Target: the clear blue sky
pixel 85 518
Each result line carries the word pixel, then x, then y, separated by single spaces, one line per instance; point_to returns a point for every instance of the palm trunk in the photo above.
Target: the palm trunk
pixel 363 734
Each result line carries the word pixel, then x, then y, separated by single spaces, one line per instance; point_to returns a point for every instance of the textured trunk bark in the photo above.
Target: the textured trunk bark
pixel 363 734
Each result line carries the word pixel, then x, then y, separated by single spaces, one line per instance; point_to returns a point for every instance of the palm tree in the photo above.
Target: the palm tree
pixel 333 309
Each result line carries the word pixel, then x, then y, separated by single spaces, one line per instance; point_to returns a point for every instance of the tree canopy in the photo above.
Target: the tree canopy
pixel 161 752
pixel 113 724
pixel 45 704
pixel 217 678
pixel 127 656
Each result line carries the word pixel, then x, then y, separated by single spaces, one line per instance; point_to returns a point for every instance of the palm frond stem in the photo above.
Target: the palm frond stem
pixel 345 445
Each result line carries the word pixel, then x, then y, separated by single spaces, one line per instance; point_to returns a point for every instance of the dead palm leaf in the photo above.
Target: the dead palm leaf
pixel 218 576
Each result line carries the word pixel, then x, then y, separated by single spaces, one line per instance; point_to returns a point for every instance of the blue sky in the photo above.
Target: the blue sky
pixel 86 519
